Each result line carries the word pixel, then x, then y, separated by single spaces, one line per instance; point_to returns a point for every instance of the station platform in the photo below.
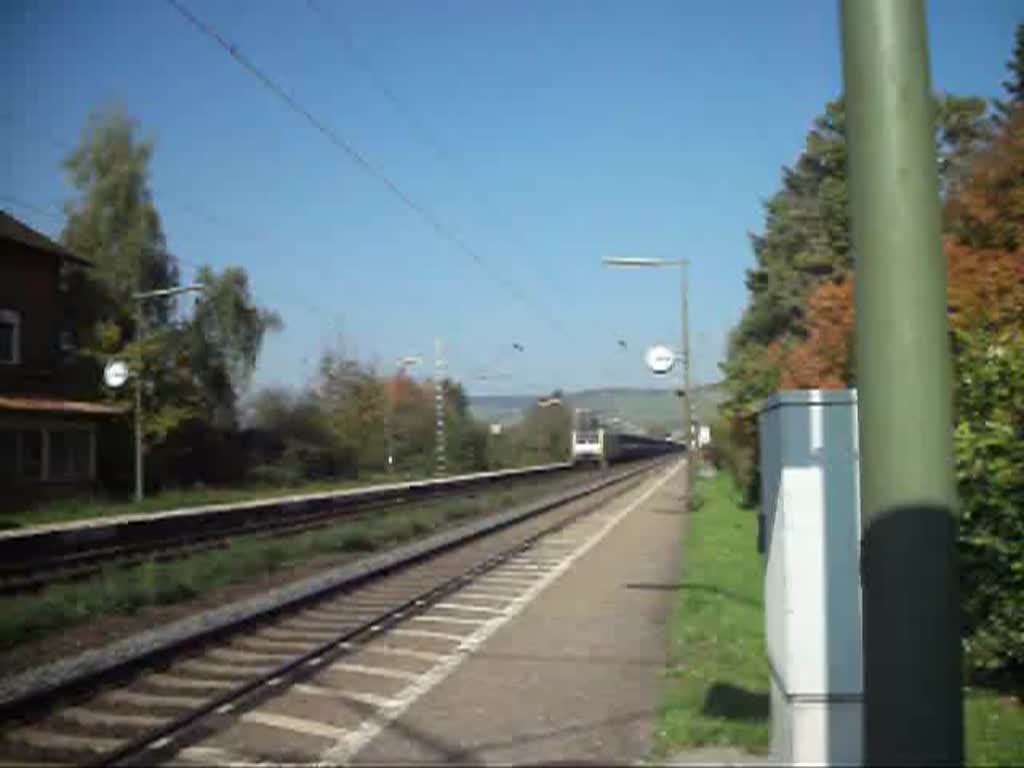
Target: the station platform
pixel 573 676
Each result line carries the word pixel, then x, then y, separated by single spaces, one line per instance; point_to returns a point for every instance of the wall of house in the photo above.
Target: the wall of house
pixel 43 456
pixel 29 286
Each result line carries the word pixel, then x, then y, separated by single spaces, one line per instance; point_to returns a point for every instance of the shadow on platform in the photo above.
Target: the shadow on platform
pixel 734 703
pixel 680 586
pixel 562 658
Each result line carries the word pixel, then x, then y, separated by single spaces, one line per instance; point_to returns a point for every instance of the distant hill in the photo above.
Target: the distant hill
pixel 647 408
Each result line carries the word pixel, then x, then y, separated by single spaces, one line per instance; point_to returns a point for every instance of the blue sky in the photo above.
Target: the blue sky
pixel 544 133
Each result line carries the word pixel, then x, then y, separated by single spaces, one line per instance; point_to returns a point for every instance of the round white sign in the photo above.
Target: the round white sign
pixel 660 358
pixel 115 373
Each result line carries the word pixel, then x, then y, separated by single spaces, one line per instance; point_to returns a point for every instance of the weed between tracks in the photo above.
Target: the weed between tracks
pixel 126 590
pixel 84 508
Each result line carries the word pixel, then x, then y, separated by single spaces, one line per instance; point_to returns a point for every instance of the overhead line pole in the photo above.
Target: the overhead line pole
pixel 400 365
pixel 687 391
pixel 439 376
pixel 432 220
pixel 913 709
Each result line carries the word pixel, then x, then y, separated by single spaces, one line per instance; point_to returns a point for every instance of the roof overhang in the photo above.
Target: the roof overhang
pixel 47 405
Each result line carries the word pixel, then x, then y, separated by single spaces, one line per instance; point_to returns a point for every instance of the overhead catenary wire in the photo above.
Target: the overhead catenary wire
pixel 424 135
pixel 44 136
pixel 53 212
pixel 440 228
pixel 431 219
pixel 342 35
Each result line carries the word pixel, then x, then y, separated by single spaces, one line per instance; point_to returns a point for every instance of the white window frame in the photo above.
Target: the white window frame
pixel 12 317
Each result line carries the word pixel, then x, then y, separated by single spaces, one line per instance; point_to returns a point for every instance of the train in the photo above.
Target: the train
pixel 595 442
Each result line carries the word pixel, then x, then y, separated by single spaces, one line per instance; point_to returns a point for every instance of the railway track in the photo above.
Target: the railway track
pixel 169 701
pixel 36 558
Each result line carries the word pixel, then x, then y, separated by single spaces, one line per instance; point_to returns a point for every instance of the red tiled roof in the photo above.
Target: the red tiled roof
pixel 59 406
pixel 18 232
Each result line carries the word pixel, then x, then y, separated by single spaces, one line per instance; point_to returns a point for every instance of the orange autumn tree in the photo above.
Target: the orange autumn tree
pixel 987 210
pixel 822 360
pixel 985 288
pixel 984 261
pixel 984 249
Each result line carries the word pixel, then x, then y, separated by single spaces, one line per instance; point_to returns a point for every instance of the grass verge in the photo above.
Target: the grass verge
pixel 86 507
pixel 994 728
pixel 126 590
pixel 716 692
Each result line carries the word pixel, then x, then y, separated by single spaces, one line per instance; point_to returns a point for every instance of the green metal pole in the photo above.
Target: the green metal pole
pixel 139 473
pixel 912 674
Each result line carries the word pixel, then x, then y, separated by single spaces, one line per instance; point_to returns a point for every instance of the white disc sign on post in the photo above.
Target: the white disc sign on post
pixel 115 373
pixel 660 359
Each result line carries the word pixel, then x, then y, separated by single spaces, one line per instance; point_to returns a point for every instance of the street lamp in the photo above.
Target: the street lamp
pixel 683 264
pixel 139 298
pixel 400 365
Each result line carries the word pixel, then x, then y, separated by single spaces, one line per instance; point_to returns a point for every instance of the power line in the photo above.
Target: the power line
pixel 44 136
pixel 434 222
pixel 217 221
pixel 418 126
pixel 53 212
pixel 342 35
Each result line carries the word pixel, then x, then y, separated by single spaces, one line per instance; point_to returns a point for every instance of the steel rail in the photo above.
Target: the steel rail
pixel 138 752
pixel 79 549
pixel 57 689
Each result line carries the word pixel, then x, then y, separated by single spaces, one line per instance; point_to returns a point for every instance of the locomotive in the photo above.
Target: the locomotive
pixel 594 441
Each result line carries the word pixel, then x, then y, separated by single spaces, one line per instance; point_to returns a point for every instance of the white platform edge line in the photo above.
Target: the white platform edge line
pixel 348 747
pixel 470 608
pixel 366 669
pixel 402 632
pixel 302 725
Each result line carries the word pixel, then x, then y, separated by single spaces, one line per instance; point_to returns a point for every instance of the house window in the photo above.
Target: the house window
pixel 31 453
pixel 70 454
pixel 8 454
pixel 21 454
pixel 10 337
pixel 64 277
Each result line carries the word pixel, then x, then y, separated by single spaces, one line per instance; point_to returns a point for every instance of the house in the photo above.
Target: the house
pixel 48 443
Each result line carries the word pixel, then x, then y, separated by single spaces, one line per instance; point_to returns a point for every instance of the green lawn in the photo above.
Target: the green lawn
pixel 717 683
pixel 716 691
pixel 994 726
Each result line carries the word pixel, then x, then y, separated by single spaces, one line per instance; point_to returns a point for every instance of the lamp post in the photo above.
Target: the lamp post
pixel 683 264
pixel 400 365
pixel 139 298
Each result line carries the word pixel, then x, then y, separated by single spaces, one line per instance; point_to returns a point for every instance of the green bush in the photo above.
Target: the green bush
pixel 734 449
pixel 274 475
pixel 989 450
